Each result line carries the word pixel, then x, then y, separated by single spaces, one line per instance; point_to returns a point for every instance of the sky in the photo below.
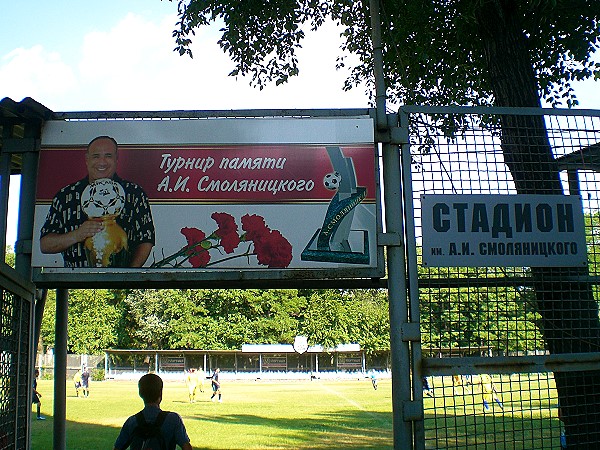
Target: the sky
pixel 117 55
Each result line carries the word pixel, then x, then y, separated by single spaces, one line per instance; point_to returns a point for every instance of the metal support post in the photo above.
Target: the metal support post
pixel 4 189
pixel 413 287
pixel 30 156
pixel 399 349
pixel 397 290
pixel 60 369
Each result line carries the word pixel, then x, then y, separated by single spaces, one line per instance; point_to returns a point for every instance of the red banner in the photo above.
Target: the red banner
pixel 205 174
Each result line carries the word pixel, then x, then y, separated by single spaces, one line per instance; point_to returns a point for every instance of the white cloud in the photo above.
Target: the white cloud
pixel 133 67
pixel 588 94
pixel 35 72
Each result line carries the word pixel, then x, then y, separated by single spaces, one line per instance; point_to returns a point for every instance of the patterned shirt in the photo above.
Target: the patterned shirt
pixel 66 215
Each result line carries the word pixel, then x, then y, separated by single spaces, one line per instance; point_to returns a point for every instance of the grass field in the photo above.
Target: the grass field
pixel 528 419
pixel 319 414
pixel 293 414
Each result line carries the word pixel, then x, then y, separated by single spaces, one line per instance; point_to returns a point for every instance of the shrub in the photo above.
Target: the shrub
pixel 97 374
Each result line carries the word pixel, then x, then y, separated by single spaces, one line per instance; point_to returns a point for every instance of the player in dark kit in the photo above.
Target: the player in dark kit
pixel 216 385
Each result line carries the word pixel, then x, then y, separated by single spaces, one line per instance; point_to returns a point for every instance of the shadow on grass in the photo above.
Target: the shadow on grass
pixel 494 429
pixel 79 436
pixel 341 429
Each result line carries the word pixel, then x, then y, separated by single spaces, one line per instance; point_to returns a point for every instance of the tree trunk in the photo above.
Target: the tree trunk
pixel 567 307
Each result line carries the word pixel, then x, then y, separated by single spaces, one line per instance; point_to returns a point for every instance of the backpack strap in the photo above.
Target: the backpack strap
pixel 157 425
pixel 161 418
pixel 141 421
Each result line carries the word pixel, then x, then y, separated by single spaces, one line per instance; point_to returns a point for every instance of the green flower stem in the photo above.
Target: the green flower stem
pixel 183 252
pixel 246 253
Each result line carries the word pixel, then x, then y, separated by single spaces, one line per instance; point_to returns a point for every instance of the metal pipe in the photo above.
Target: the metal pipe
pixel 397 293
pixel 413 282
pixel 399 350
pixel 60 369
pixel 4 189
pixel 380 88
pixel 27 200
pixel 397 289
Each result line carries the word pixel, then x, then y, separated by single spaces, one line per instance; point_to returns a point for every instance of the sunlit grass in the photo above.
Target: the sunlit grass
pixel 294 414
pixel 319 414
pixel 456 417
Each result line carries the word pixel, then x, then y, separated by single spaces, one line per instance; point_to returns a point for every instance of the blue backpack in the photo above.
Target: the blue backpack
pixel 148 436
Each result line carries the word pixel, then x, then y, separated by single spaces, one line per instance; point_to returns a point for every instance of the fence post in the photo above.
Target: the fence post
pixel 60 369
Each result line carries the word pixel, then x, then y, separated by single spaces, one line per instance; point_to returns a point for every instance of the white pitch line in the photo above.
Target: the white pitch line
pixel 355 404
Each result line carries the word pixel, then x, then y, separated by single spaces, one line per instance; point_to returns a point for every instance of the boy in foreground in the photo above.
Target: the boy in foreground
pixel 171 430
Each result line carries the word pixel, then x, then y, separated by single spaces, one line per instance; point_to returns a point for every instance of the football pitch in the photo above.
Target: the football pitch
pixel 254 414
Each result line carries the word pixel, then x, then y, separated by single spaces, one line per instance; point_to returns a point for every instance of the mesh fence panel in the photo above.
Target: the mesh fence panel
pixel 476 317
pixel 15 399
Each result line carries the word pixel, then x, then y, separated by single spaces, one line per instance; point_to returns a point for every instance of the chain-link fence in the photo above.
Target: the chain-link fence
pixel 509 351
pixel 15 377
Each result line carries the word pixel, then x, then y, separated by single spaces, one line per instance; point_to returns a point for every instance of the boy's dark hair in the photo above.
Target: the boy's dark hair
pixel 150 387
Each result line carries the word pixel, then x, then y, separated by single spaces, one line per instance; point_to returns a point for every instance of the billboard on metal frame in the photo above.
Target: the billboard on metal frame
pixel 286 197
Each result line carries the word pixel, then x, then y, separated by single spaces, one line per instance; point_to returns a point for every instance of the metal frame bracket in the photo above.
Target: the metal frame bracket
pixel 399 135
pixel 20 145
pixel 394 135
pixel 412 411
pixel 389 240
pixel 24 246
pixel 411 332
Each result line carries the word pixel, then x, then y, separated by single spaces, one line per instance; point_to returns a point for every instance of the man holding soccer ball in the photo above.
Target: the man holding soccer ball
pixel 70 227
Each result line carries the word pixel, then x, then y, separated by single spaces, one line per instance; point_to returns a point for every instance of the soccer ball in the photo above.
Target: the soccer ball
pixel 103 197
pixel 332 180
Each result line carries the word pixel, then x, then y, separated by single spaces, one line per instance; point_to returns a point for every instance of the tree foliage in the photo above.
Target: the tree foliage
pixel 435 51
pixel 9 258
pixel 226 319
pixel 219 319
pixel 92 322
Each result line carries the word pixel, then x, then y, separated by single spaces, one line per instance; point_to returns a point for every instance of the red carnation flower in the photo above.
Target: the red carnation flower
pixel 273 250
pixel 227 231
pixel 254 226
pixel 198 256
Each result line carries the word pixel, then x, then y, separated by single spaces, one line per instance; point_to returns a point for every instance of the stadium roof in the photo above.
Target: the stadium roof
pixel 14 118
pixel 585 158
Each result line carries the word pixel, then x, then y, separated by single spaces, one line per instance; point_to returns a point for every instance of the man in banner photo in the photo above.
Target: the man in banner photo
pixel 101 220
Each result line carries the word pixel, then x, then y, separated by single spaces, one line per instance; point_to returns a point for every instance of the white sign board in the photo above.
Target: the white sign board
pixel 503 231
pixel 214 196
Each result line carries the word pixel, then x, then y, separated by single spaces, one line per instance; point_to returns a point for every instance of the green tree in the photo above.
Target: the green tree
pixel 49 320
pixel 149 312
pixel 467 52
pixel 10 256
pixel 368 313
pixel 325 321
pixel 211 319
pixel 336 317
pixel 92 321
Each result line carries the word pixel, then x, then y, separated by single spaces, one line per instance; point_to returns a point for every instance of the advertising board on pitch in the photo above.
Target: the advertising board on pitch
pixel 503 231
pixel 210 195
